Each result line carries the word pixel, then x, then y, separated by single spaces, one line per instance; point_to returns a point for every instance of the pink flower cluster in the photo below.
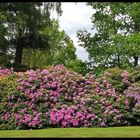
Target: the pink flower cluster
pixel 71 117
pixel 4 72
pixel 125 76
pixel 133 94
pixel 29 120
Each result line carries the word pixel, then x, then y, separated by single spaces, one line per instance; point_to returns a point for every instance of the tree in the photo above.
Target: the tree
pixel 61 48
pixel 62 51
pixel 78 66
pixel 65 54
pixel 23 21
pixel 116 24
pixel 4 58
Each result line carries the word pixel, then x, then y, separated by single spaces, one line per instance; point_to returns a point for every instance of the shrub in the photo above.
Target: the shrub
pixel 57 97
pixel 119 79
pixel 133 94
pixel 8 86
pixel 135 74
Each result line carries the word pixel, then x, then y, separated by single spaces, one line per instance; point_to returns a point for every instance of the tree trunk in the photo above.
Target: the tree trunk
pixel 135 60
pixel 19 48
pixel 118 61
pixel 18 55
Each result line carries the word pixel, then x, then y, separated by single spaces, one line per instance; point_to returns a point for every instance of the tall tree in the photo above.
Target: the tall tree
pixel 116 24
pixel 3 42
pixel 23 22
pixel 61 48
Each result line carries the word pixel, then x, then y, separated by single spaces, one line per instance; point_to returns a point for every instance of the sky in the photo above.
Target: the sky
pixel 76 16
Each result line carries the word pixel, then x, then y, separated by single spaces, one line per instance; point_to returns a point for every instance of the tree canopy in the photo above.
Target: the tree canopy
pixel 21 24
pixel 116 41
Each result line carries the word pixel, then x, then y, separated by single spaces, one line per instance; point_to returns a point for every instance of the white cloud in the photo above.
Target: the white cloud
pixel 76 16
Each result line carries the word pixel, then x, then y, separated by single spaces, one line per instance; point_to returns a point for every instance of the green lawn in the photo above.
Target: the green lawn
pixel 74 132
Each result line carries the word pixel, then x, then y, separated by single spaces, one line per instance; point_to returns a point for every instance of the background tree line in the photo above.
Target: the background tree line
pixel 116 42
pixel 32 39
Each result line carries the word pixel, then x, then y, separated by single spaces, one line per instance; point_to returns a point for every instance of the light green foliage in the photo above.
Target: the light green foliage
pixel 36 58
pixel 135 74
pixel 65 54
pixel 61 49
pixel 116 79
pixel 116 41
pixel 77 66
pixel 8 86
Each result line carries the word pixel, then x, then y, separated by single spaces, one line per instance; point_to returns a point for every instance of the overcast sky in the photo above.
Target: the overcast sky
pixel 76 17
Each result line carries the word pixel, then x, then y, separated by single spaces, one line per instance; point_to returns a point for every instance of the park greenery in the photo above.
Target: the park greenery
pixel 31 39
pixel 50 87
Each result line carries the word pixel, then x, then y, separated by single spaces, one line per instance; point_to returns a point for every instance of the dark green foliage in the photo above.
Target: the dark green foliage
pixel 21 23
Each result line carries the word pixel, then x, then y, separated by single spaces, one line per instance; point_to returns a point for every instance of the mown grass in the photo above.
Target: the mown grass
pixel 114 132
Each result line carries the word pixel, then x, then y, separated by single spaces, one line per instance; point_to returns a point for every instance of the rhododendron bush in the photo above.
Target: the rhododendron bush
pixel 133 94
pixel 56 97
